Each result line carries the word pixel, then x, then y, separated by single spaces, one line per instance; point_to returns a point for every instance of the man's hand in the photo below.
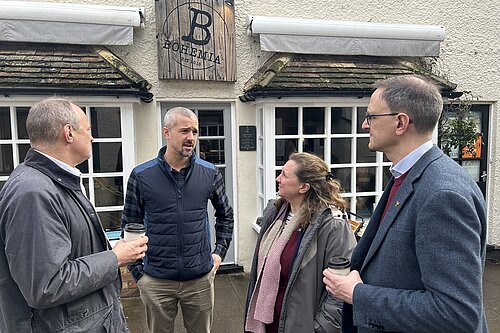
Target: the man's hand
pixel 342 287
pixel 128 252
pixel 217 261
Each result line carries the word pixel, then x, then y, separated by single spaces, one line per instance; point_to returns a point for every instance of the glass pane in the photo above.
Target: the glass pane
pixel 343 175
pixel 364 206
pixel 365 179
pixel 472 168
pixel 341 150
pixel 6 160
pixel 21 115
pixel 212 151
pixel 314 146
pixel 348 200
pixel 341 120
pixel 23 149
pixel 286 121
pixel 284 147
pixel 211 123
pixel 261 151
pixel 86 185
pixel 314 120
pixel 361 118
pixel 260 181
pixel 83 167
pixel 110 220
pixel 5 132
pixel 107 156
pixel 222 171
pixel 106 122
pixel 277 174
pixel 364 155
pixel 108 191
pixel 386 176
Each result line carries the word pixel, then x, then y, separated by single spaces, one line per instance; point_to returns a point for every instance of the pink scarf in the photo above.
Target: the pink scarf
pixel 261 309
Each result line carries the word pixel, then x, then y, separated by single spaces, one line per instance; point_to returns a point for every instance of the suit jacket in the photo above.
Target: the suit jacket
pixel 422 268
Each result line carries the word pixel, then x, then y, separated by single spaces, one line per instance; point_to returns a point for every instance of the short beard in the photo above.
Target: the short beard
pixel 184 153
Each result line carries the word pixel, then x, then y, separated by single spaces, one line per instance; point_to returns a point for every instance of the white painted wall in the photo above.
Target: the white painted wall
pixel 469 57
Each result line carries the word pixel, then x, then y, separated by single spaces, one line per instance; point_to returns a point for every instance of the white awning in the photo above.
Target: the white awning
pixel 22 21
pixel 281 34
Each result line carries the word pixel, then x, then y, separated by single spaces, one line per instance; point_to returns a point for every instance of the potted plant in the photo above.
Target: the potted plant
pixel 457 129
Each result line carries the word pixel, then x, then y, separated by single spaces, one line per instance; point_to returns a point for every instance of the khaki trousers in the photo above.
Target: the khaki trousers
pixel 160 298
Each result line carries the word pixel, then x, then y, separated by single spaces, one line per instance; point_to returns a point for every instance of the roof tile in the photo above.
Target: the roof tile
pixel 305 75
pixel 31 66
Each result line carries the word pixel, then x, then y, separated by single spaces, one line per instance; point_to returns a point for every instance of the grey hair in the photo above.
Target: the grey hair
pixel 416 96
pixel 47 117
pixel 170 119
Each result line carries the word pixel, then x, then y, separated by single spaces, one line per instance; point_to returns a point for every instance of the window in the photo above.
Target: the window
pixel 331 131
pixel 104 174
pixel 14 142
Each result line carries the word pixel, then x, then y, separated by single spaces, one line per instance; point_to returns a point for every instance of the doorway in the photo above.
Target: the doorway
pixel 214 146
pixel 475 160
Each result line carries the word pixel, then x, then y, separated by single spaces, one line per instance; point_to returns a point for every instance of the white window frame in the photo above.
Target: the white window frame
pixel 266 137
pixel 127 126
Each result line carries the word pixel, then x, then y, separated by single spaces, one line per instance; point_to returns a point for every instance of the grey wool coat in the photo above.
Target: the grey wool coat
pixel 422 267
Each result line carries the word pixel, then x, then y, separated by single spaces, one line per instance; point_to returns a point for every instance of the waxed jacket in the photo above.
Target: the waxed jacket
pixel 56 272
pixel 307 306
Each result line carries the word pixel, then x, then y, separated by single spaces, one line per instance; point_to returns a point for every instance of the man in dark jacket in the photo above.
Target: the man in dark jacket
pixel 57 270
pixel 169 194
pixel 419 265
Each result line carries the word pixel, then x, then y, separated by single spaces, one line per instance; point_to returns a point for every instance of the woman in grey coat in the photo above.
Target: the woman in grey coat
pixel 299 233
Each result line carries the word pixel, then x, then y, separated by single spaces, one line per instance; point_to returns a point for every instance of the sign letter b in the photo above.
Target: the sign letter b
pixel 197 24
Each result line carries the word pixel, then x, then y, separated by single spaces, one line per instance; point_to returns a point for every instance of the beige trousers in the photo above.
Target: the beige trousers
pixel 161 298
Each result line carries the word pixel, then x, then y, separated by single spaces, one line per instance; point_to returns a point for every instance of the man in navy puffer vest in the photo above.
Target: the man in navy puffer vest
pixel 169 195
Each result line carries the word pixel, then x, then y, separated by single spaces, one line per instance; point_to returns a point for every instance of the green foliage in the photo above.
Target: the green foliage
pixel 457 127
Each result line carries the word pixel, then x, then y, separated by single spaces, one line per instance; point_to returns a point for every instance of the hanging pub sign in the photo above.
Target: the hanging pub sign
pixel 196 40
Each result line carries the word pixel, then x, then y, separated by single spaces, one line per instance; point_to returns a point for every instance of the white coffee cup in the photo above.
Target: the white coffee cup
pixel 133 231
pixel 339 265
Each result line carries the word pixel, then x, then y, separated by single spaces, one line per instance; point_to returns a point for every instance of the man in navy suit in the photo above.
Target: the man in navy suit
pixel 419 265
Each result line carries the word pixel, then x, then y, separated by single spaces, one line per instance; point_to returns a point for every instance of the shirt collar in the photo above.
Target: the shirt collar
pixel 62 165
pixel 409 160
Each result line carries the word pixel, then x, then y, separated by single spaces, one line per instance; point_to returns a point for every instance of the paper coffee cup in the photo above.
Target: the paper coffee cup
pixel 339 265
pixel 133 231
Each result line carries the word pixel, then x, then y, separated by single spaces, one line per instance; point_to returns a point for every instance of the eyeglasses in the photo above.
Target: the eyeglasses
pixel 369 117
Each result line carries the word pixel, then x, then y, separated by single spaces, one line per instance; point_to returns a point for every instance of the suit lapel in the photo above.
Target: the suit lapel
pixel 377 231
pixel 398 203
pixel 361 249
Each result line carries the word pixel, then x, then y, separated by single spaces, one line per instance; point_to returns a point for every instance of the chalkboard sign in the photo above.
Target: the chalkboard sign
pixel 248 138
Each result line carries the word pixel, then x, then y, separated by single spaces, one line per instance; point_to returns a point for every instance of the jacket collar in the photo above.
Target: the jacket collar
pixel 162 161
pixel 43 164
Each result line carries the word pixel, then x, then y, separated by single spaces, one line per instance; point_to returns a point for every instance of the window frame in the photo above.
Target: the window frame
pixel 266 137
pixel 128 143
